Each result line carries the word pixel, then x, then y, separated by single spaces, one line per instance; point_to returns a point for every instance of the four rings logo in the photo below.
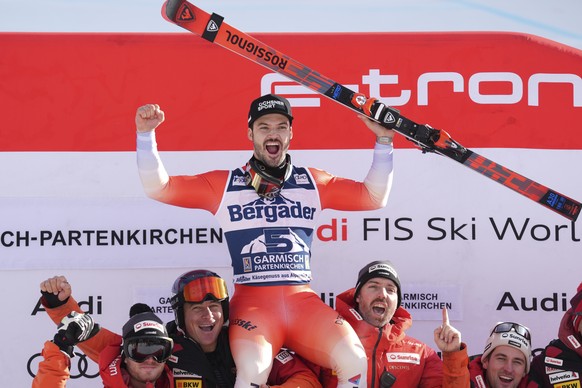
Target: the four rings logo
pixel 78 369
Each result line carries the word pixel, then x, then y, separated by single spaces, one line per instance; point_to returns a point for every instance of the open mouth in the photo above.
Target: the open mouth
pixel 506 379
pixel 272 148
pixel 206 328
pixel 380 310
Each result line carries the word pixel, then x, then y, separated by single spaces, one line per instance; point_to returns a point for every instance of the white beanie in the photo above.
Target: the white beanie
pixel 509 338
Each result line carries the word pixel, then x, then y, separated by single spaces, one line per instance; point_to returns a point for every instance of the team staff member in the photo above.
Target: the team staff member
pixel 560 364
pixel 505 361
pixel 268 210
pixel 136 361
pixel 201 303
pixel 395 359
pixel 201 355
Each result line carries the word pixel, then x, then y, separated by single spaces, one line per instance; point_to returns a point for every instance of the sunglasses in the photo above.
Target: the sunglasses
pixel 505 327
pixel 140 349
pixel 199 290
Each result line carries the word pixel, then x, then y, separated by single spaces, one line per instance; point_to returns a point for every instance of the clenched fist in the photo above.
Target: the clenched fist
pixel 148 117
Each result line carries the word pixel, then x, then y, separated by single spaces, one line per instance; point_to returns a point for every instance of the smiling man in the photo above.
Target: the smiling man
pixel 135 360
pixel 505 361
pixel 201 354
pixel 395 359
pixel 268 210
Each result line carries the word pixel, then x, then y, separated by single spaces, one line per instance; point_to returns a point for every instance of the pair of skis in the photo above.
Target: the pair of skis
pixel 428 139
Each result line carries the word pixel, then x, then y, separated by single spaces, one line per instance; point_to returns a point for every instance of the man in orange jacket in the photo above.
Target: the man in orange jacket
pixel 201 354
pixel 137 361
pixel 394 358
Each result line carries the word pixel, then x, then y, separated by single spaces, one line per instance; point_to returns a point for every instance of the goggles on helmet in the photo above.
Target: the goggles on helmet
pixel 140 349
pixel 505 327
pixel 201 289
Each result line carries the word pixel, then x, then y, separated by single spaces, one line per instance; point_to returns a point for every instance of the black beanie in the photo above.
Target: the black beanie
pixel 143 324
pixel 378 269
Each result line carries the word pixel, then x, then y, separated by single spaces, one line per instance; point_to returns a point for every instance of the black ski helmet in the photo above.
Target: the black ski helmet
pixel 206 284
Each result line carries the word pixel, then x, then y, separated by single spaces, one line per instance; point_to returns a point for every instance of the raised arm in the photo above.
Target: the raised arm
pixel 348 194
pixel 455 357
pixel 152 173
pixel 201 191
pixel 57 299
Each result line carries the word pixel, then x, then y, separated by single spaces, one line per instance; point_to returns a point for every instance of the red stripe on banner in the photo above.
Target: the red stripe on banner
pixel 79 92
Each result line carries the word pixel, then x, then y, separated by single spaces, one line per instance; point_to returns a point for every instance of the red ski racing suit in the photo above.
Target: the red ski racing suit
pixel 269 240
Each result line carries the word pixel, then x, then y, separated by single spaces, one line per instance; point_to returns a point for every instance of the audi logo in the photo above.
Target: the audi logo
pixel 78 369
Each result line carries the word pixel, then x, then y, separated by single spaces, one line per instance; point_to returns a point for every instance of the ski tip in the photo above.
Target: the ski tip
pixel 165 12
pixel 170 9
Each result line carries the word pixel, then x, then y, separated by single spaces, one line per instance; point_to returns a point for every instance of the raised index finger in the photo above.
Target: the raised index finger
pixel 445 317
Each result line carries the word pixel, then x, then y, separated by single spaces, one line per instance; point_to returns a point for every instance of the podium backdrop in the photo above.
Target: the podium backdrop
pixel 71 202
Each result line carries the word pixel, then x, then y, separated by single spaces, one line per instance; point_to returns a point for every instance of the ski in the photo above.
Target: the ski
pixel 212 28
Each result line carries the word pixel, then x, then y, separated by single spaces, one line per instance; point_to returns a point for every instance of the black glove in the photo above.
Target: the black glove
pixel 74 328
pixel 51 300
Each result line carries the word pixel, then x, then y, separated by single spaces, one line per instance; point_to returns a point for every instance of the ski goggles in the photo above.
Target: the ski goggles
pixel 140 349
pixel 201 289
pixel 505 327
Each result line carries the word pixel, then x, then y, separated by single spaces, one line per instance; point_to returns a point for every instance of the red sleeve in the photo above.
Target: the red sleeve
pixel 456 369
pixel 290 372
pixel 93 346
pixel 58 313
pixel 452 372
pixel 53 370
pixel 202 191
pixel 342 193
pixel 432 373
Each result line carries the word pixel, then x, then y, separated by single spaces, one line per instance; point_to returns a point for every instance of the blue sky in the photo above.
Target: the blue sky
pixel 556 20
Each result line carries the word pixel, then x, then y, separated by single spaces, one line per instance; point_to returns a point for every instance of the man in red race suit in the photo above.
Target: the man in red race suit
pixel 268 210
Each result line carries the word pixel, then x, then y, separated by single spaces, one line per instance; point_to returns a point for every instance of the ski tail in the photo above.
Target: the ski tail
pixel 535 191
pixel 212 28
